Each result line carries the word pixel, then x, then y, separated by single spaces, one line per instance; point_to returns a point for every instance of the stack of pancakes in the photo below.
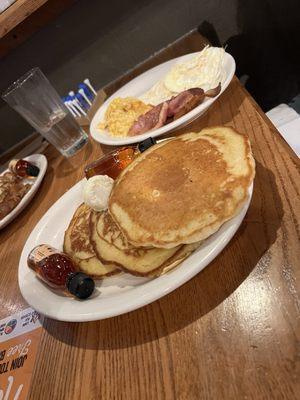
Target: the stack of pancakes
pixel 164 204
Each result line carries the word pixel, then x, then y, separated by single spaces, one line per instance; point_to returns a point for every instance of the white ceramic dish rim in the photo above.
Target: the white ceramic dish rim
pixel 41 161
pixel 137 86
pixel 41 298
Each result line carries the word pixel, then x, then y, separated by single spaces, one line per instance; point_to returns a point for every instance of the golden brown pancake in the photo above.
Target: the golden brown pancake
pixel 182 190
pixel 184 251
pixel 111 246
pixel 77 245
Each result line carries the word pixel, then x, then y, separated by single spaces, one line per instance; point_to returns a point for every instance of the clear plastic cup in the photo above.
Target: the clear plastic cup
pixel 37 101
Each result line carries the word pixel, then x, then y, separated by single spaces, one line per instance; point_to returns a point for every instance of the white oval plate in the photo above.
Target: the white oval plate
pixel 40 161
pixel 139 85
pixel 117 294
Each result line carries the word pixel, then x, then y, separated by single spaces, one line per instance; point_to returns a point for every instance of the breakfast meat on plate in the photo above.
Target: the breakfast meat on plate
pixel 171 110
pixel 153 119
pixel 183 88
pixel 12 190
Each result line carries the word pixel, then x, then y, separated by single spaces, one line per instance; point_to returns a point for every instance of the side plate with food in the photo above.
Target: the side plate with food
pixel 32 184
pixel 139 88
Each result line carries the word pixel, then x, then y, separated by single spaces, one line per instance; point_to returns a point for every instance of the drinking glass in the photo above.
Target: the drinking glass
pixel 37 101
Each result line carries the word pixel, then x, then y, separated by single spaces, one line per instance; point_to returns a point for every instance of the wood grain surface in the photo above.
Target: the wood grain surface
pixel 16 13
pixel 232 332
pixel 25 17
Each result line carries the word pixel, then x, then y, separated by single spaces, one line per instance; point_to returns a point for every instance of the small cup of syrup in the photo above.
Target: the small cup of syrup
pixel 113 163
pixel 58 271
pixel 23 168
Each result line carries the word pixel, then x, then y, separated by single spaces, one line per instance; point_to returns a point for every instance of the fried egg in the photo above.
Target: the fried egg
pixel 157 94
pixel 204 70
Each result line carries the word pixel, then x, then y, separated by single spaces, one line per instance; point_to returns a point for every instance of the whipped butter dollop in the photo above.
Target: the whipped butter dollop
pixel 96 192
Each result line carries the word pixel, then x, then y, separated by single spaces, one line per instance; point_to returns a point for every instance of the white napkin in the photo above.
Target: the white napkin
pixel 287 121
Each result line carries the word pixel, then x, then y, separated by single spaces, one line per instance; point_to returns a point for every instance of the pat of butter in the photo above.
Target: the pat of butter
pixel 96 192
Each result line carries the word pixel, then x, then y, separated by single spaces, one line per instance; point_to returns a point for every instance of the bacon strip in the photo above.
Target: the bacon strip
pixel 153 119
pixel 172 109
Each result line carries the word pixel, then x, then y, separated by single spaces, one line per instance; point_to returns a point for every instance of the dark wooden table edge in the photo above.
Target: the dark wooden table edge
pixel 273 128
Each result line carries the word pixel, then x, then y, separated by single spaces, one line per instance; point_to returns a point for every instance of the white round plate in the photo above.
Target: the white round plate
pixel 40 161
pixel 117 294
pixel 140 85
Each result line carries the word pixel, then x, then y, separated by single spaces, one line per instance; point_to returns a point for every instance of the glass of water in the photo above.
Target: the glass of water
pixel 37 101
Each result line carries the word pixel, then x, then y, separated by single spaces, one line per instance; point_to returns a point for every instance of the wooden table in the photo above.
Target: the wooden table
pixel 232 332
pixel 24 17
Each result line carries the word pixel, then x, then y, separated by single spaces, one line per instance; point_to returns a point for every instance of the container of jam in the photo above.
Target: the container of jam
pixel 23 168
pixel 113 163
pixel 58 271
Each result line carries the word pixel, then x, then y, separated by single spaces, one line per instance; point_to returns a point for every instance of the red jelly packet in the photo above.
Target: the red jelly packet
pixel 19 340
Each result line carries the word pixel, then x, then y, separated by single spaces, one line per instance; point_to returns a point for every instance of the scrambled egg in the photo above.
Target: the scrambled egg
pixel 121 114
